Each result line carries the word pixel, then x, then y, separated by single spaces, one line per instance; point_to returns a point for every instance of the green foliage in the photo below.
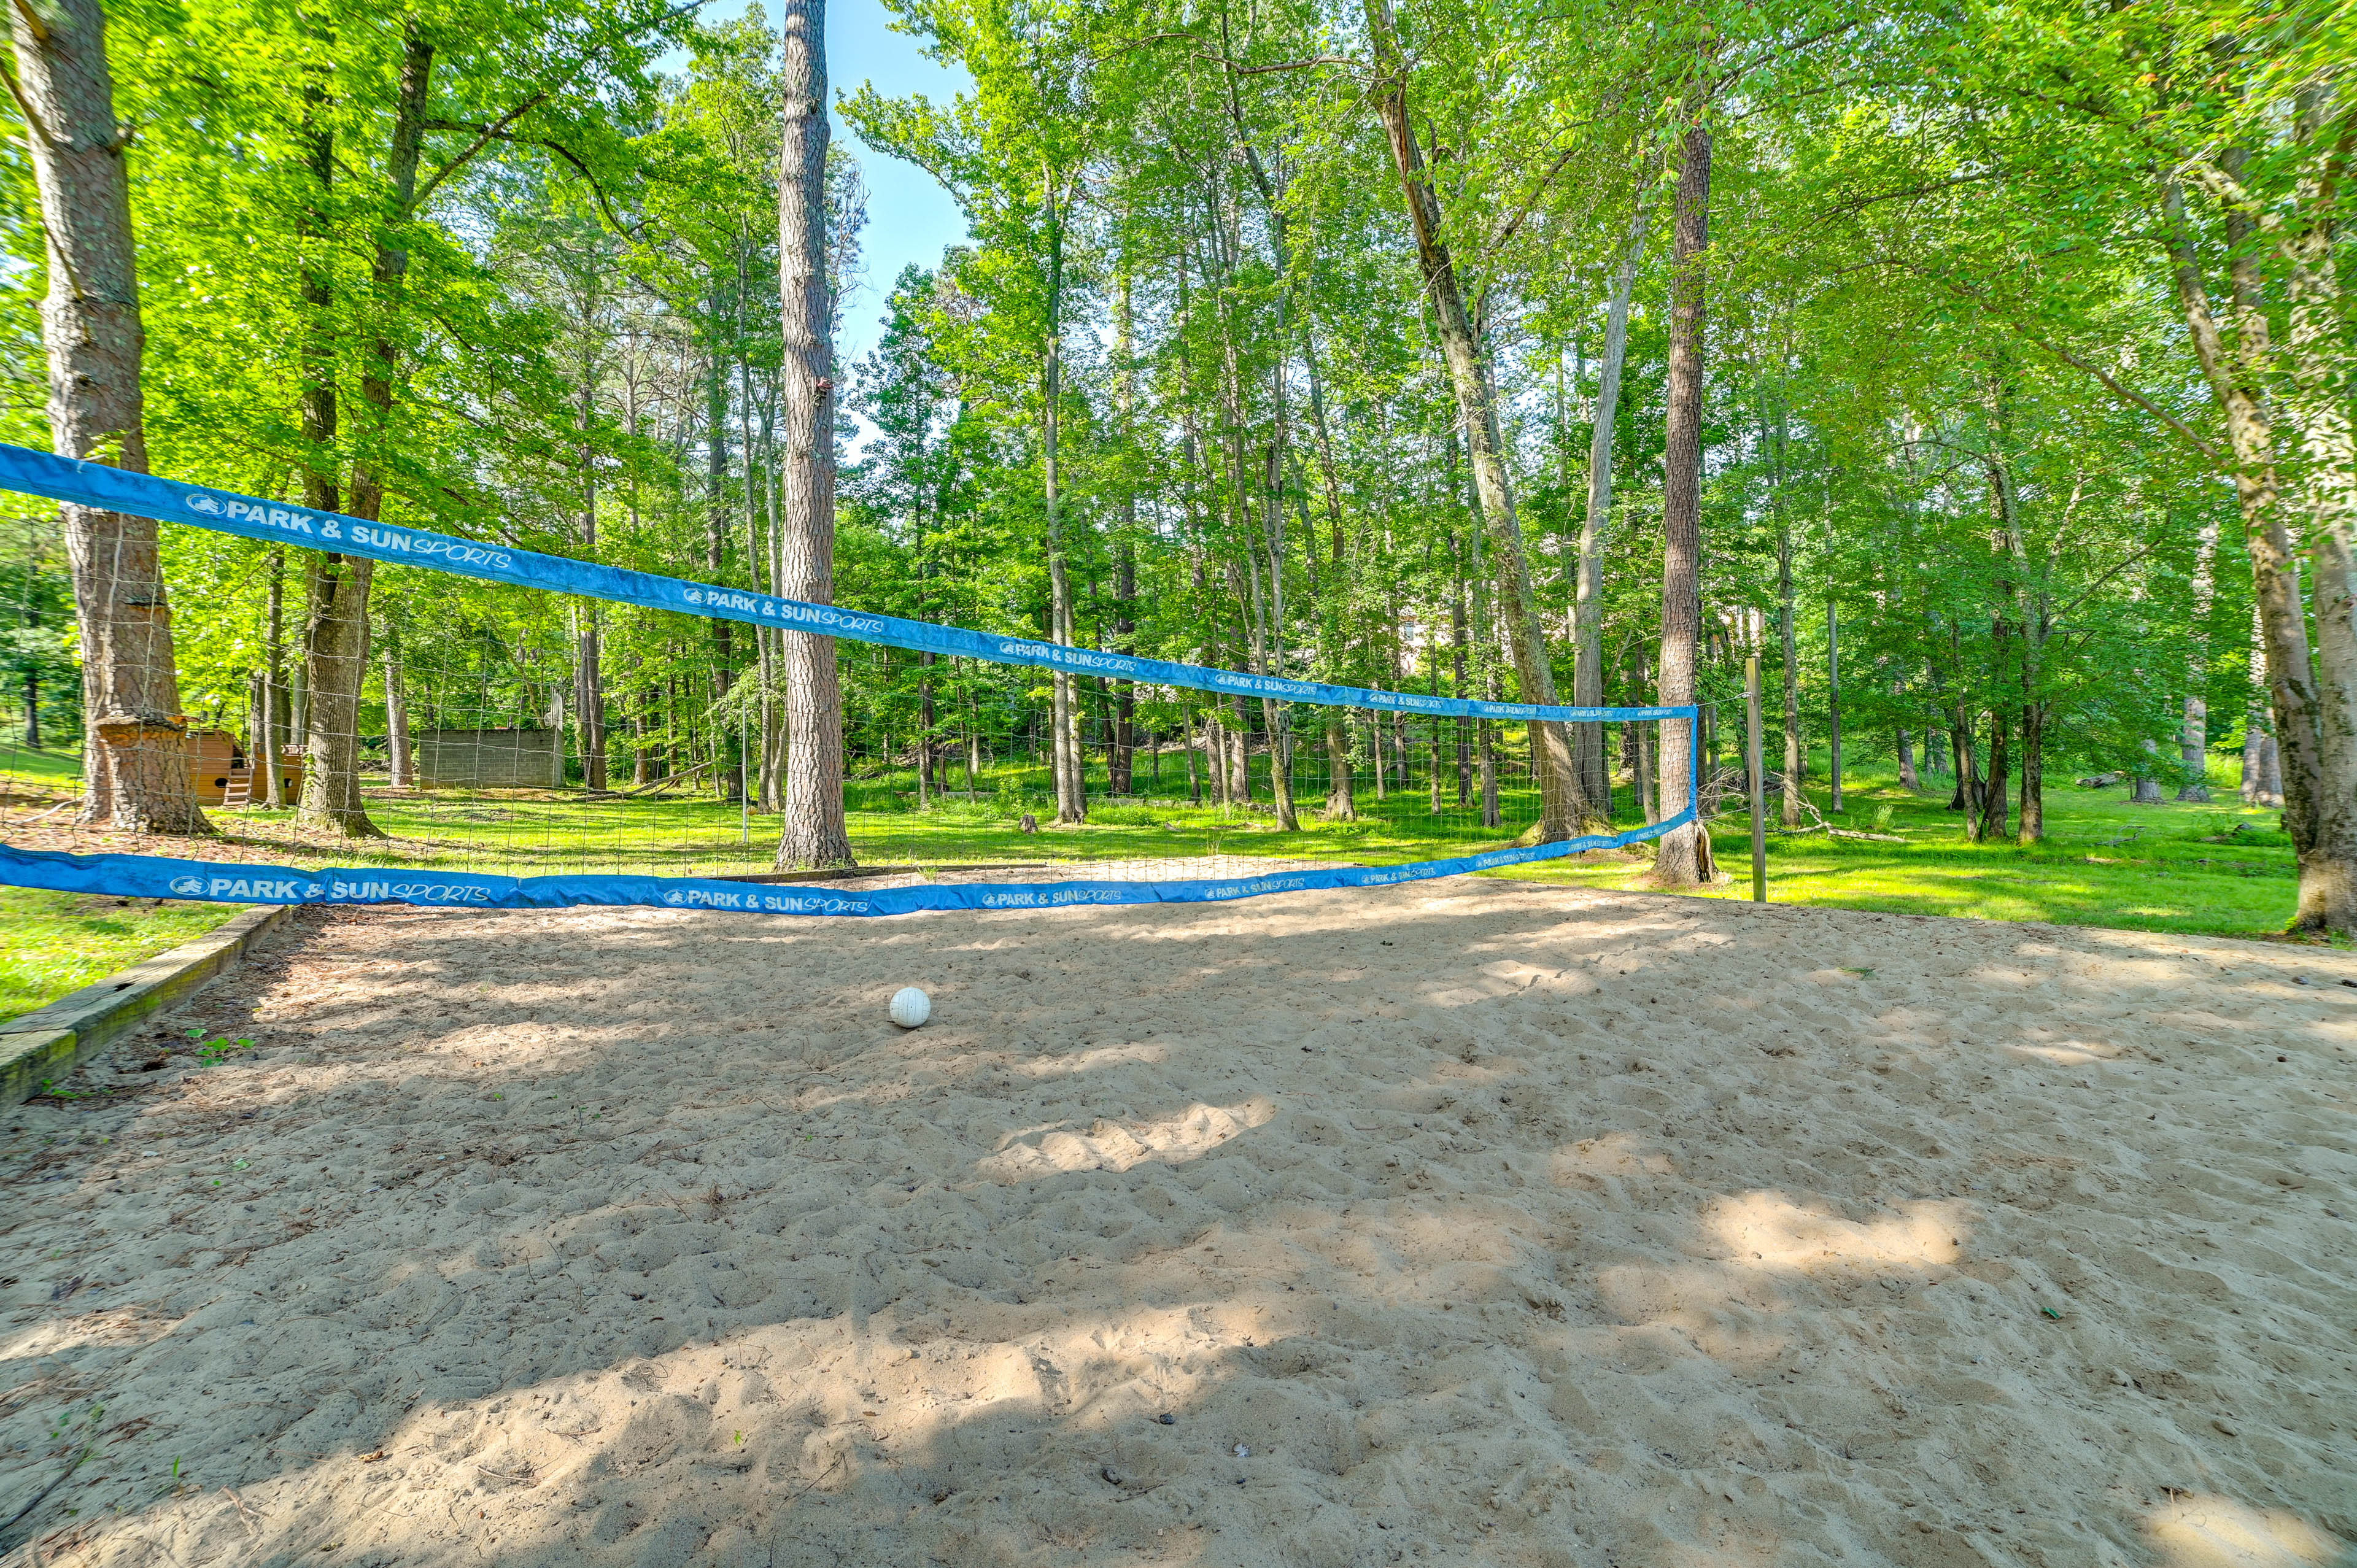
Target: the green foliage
pixel 1948 401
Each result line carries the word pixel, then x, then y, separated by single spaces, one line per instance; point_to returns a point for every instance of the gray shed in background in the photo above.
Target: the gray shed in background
pixel 491 758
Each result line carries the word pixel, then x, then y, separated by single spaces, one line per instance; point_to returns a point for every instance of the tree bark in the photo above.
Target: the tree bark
pixel 1796 758
pixel 401 771
pixel 2318 811
pixel 2037 627
pixel 270 766
pixel 2030 822
pixel 335 645
pixel 1341 805
pixel 716 527
pixel 1993 806
pixel 589 684
pixel 2008 633
pixel 134 769
pixel 1647 734
pixel 2195 742
pixel 2318 364
pixel 1595 526
pixel 1562 812
pixel 335 662
pixel 1684 858
pixel 1123 763
pixel 1833 706
pixel 2257 741
pixel 1457 684
pixel 1071 777
pixel 814 833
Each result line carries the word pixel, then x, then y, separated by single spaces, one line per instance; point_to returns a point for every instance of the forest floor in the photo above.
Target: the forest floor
pixel 2219 868
pixel 1477 1222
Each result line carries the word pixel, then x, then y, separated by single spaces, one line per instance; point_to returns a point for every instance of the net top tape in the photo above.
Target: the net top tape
pixel 32 472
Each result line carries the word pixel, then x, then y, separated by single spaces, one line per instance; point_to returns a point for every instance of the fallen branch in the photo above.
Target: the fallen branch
pixel 1820 825
pixel 665 782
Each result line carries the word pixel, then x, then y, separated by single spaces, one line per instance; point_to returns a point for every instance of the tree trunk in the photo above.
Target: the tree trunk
pixel 1833 706
pixel 271 764
pixel 2030 822
pixel 1908 778
pixel 1685 859
pixel 2318 812
pixel 1487 741
pixel 1648 737
pixel 1562 813
pixel 2195 741
pixel 1992 812
pixel 1796 758
pixel 927 787
pixel 1341 805
pixel 648 761
pixel 715 519
pixel 1432 669
pixel 1595 526
pixel 1968 770
pixel 298 713
pixel 814 833
pixel 1215 757
pixel 337 641
pixel 32 692
pixel 400 770
pixel 1186 744
pixel 2315 398
pixel 2036 628
pixel 1072 802
pixel 1457 686
pixel 1239 786
pixel 134 769
pixel 1123 763
pixel 974 742
pixel 2008 626
pixel 335 661
pixel 2256 736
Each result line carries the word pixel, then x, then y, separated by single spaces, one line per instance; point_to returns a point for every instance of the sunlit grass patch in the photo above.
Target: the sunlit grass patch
pixel 55 944
pixel 2219 867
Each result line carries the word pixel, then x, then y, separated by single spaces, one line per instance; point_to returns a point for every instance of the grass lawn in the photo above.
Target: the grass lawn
pixel 2219 868
pixel 53 943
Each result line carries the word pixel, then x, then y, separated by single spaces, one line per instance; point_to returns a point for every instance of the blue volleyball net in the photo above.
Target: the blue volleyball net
pixel 510 729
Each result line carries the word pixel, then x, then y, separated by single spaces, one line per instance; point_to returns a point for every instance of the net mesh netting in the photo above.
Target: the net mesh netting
pixel 482 723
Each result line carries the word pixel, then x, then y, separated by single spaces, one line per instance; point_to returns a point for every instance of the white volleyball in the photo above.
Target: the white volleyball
pixel 910 1007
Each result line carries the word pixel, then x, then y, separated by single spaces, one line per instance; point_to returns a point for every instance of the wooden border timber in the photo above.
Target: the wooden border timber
pixel 46 1045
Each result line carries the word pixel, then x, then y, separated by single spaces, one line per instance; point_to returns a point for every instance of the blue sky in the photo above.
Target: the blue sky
pixel 909 216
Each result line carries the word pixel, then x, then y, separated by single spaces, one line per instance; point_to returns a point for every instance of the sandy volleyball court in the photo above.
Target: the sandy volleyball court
pixel 1475 1223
